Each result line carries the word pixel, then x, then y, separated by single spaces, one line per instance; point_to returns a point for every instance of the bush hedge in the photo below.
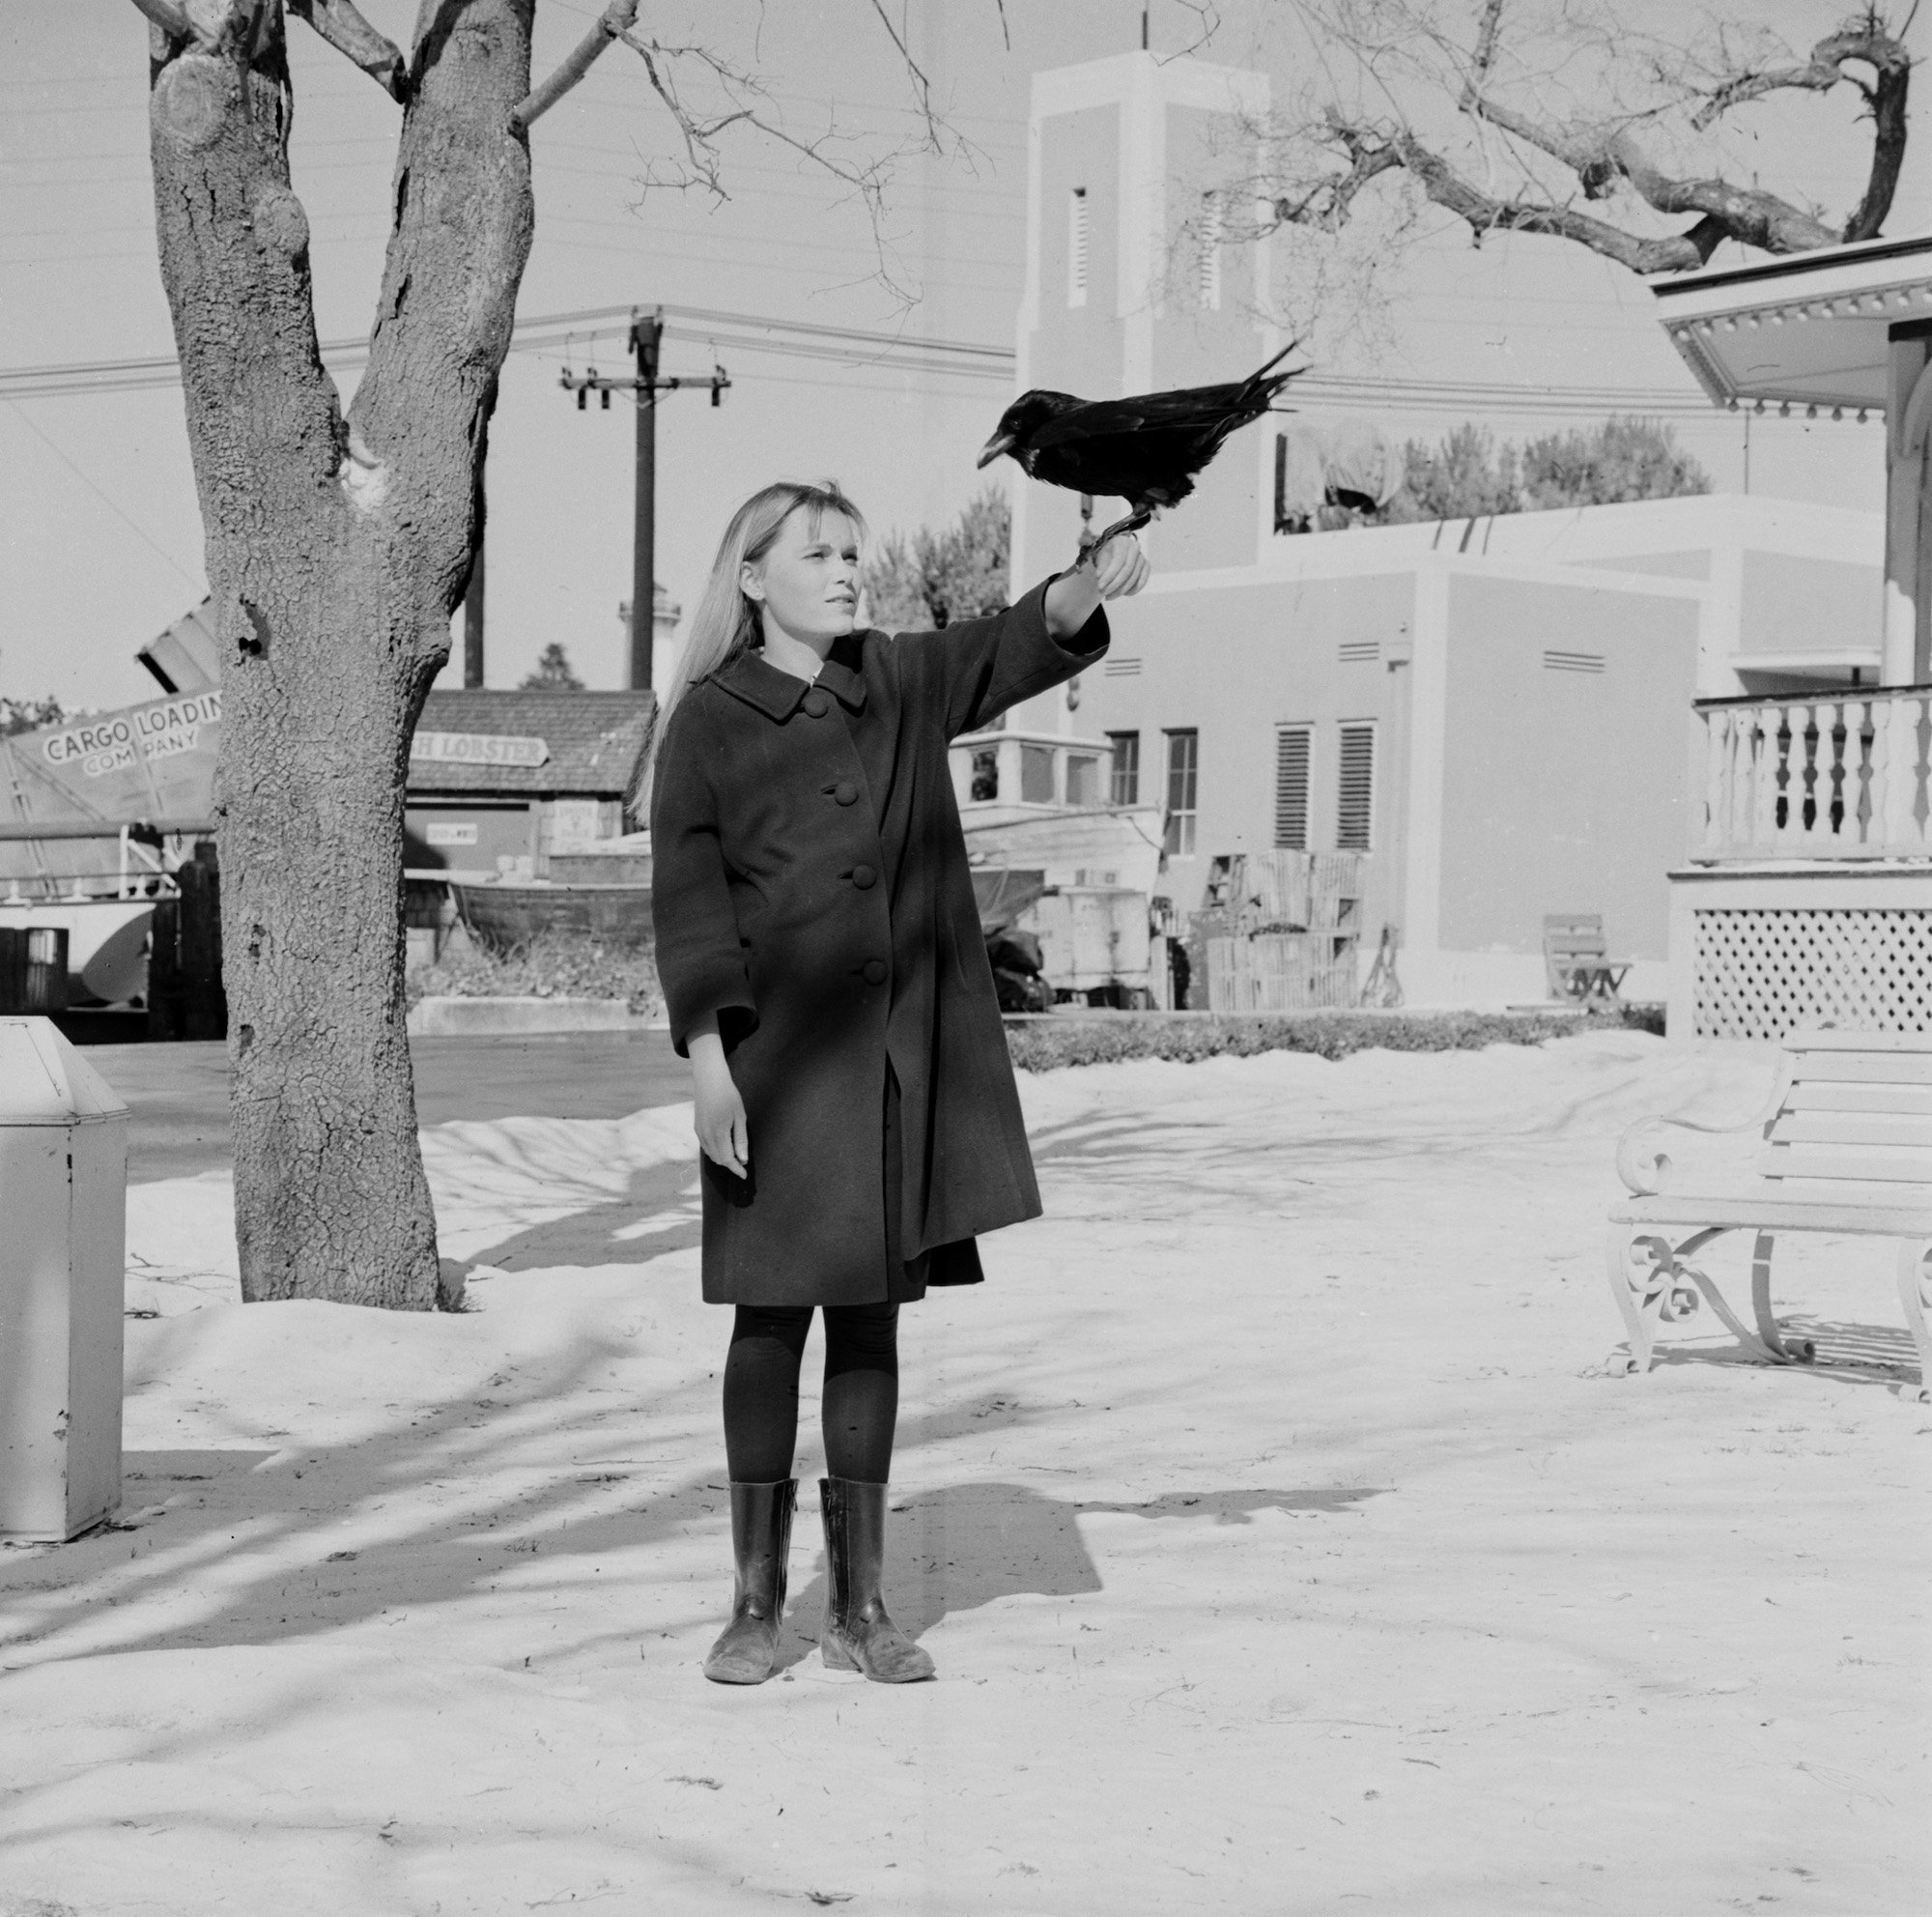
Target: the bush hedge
pixel 1041 1045
pixel 555 964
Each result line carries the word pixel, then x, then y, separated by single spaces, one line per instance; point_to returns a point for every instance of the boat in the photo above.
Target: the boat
pixel 106 941
pixel 504 914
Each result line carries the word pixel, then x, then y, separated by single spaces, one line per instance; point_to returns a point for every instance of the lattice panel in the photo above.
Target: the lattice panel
pixel 1760 974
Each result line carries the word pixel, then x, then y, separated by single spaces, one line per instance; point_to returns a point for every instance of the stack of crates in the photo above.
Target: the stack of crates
pixel 1285 933
pixel 33 968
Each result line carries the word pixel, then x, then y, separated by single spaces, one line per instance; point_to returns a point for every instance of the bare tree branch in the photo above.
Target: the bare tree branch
pixel 615 23
pixel 921 83
pixel 1485 214
pixel 345 29
pixel 1515 75
pixel 169 15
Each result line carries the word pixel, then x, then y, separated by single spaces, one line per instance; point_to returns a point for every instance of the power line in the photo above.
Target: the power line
pixel 140 532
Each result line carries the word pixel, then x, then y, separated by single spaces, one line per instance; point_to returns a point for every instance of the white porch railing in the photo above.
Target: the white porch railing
pixel 1832 776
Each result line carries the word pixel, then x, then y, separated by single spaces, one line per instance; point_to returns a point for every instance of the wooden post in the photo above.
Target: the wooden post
pixel 204 1003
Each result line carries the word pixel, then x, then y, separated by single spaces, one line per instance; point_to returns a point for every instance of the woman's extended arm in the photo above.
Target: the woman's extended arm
pixel 1117 568
pixel 719 1114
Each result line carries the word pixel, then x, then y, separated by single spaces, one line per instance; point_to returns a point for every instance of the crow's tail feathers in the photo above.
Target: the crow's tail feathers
pixel 1266 379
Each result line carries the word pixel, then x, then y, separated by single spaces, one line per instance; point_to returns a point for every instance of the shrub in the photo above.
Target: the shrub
pixel 555 964
pixel 1043 1044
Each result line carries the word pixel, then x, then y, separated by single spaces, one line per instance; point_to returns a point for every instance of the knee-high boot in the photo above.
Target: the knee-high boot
pixel 760 1541
pixel 858 1635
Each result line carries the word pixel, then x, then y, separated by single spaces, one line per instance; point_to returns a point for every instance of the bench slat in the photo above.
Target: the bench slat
pixel 1827 1161
pixel 1884 1098
pixel 1800 1042
pixel 1864 1068
pixel 1854 1211
pixel 1851 1127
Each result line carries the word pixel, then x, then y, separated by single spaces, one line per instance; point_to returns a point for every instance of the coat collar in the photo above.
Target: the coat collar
pixel 776 694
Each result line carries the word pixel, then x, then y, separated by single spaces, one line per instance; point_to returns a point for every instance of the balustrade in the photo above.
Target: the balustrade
pixel 1828 776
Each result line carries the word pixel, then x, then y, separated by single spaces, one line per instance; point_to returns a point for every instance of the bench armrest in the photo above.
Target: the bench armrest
pixel 1643 1162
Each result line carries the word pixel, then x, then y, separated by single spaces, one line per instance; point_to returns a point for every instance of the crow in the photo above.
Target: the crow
pixel 1144 450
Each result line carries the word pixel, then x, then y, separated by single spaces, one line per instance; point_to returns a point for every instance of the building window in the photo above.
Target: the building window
pixel 1083 779
pixel 985 776
pixel 1127 782
pixel 1183 778
pixel 1293 750
pixel 1208 264
pixel 1036 775
pixel 1356 802
pixel 1076 248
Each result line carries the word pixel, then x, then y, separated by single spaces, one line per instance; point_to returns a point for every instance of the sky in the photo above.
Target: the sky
pixel 100 535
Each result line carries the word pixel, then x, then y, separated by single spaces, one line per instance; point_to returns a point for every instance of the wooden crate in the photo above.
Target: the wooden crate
pixel 1280 972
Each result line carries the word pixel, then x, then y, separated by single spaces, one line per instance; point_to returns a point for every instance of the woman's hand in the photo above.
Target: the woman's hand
pixel 1120 566
pixel 1109 572
pixel 718 1112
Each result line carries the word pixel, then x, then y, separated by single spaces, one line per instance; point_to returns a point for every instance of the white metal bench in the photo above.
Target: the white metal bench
pixel 1844 1147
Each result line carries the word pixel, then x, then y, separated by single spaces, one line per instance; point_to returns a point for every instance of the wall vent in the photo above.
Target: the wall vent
pixel 1554 661
pixel 1355 795
pixel 1076 247
pixel 1209 265
pixel 1120 669
pixel 1291 751
pixel 1359 652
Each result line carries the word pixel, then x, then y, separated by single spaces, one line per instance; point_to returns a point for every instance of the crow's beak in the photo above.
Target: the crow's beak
pixel 1000 443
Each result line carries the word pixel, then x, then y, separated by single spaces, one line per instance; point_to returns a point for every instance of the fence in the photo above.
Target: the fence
pixel 1832 776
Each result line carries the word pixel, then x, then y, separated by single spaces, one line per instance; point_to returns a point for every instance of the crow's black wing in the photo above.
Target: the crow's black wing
pixel 1197 409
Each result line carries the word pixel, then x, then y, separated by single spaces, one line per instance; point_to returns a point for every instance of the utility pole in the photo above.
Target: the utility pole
pixel 645 341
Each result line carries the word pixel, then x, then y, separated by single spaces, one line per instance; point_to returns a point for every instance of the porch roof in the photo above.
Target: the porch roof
pixel 1811 330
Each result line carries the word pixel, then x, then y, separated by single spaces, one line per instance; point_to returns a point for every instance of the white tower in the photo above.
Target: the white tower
pixel 1128 287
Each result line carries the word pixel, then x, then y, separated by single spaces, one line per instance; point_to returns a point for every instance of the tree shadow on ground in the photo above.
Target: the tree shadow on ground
pixel 659 1213
pixel 967 1545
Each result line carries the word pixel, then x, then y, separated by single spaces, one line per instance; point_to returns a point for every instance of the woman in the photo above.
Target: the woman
pixel 820 952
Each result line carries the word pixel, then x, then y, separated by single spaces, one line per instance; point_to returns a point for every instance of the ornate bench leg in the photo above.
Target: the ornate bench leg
pixel 1915 1294
pixel 1642 1273
pixel 1800 1351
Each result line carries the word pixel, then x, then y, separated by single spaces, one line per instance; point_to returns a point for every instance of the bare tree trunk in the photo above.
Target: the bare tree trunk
pixel 337 552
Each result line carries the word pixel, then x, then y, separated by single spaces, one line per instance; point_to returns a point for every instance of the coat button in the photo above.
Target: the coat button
pixel 864 878
pixel 816 704
pixel 845 793
pixel 875 971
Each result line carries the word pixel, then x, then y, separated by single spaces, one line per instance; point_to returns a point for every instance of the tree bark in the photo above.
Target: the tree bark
pixel 337 551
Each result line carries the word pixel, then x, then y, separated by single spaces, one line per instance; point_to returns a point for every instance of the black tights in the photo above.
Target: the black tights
pixel 861 1390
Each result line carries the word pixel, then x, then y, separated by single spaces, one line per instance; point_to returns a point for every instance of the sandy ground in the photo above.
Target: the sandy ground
pixel 1281 1543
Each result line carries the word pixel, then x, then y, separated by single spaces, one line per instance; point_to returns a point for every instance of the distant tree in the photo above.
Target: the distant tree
pixel 934 578
pixel 1469 473
pixel 28 715
pixel 1622 459
pixel 553 672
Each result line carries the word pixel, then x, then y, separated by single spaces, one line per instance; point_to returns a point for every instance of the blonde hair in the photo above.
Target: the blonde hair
pixel 726 622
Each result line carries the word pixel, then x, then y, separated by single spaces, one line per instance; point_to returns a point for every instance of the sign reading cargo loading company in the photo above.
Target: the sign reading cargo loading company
pixel 148 761
pixel 479 749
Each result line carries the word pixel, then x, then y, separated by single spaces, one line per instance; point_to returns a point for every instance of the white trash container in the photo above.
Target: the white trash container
pixel 63 1240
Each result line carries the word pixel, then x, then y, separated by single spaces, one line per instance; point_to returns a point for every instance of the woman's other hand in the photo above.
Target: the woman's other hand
pixel 718 1112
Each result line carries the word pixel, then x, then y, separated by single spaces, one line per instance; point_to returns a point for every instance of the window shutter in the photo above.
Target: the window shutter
pixel 1356 810
pixel 1291 788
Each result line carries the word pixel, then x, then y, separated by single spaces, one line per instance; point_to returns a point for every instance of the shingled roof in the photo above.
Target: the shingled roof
pixel 595 741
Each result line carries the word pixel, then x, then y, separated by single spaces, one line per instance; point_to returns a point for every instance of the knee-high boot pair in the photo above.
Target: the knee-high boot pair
pixel 858 1634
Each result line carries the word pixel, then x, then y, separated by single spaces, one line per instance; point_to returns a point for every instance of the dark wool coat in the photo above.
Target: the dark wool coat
pixel 810 887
